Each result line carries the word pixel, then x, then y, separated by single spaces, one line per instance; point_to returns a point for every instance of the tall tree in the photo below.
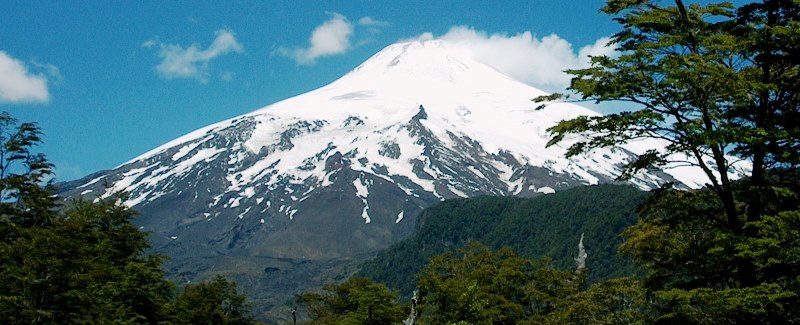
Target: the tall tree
pixel 719 85
pixel 716 83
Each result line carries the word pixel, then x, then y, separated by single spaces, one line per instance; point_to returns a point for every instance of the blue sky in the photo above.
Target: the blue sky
pixel 109 80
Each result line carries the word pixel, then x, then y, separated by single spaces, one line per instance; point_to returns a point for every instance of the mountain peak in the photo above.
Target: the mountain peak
pixel 428 59
pixel 427 52
pixel 345 170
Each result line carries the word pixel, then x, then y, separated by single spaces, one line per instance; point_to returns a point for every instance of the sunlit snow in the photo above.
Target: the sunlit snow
pixel 378 106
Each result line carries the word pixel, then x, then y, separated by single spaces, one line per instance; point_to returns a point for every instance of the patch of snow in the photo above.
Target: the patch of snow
pixel 249 192
pixel 456 191
pixel 185 150
pixel 93 181
pixel 361 189
pixel 477 172
pixel 234 202
pixel 241 215
pixel 546 190
pixel 216 200
pixel 365 214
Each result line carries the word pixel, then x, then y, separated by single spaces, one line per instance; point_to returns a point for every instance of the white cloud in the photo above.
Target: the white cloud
pixel 369 21
pixel 539 62
pixel 193 62
pixel 372 25
pixel 330 38
pixel 18 85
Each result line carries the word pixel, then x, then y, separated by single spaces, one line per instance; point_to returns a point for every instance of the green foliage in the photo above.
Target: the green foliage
pixel 549 225
pixel 475 285
pixel 692 260
pixel 86 266
pixel 680 243
pixel 718 84
pixel 23 200
pixel 479 286
pixel 74 265
pixel 213 302
pixel 84 263
pixel 356 301
pixel 616 301
pixel 714 82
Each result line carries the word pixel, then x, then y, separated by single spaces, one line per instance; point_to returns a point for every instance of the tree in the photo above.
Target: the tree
pixel 479 286
pixel 719 85
pixel 615 301
pixel 23 198
pixel 355 301
pixel 87 266
pixel 84 262
pixel 211 302
pixel 692 262
pixel 79 263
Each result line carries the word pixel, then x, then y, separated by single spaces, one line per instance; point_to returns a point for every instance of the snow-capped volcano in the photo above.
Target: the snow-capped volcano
pixel 417 123
pixel 345 169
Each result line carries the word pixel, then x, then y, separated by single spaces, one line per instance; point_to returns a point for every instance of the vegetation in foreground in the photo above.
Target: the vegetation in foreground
pixel 85 263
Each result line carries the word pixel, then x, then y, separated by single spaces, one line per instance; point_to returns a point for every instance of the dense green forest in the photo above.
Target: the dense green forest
pixel 545 226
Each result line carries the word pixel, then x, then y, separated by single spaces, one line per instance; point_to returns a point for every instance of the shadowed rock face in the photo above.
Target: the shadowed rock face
pixel 292 195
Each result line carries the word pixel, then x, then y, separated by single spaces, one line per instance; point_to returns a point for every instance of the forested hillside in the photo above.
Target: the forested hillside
pixel 544 226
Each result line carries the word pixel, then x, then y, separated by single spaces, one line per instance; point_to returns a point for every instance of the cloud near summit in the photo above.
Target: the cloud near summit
pixel 332 37
pixel 539 62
